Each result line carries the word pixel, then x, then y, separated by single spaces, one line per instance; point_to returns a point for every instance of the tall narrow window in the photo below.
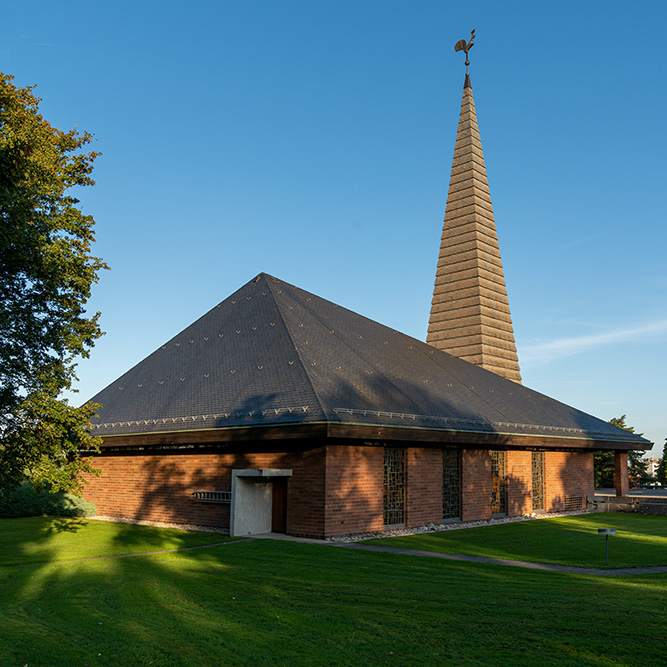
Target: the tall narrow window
pixel 394 486
pixel 451 484
pixel 498 483
pixel 538 480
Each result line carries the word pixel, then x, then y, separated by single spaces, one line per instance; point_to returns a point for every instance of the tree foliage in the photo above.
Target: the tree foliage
pixel 46 273
pixel 661 473
pixel 603 465
pixel 604 461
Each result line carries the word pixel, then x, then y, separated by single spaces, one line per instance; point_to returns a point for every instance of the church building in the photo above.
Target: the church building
pixel 279 411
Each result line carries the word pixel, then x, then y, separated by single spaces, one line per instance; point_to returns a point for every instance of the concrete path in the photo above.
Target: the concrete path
pixel 471 559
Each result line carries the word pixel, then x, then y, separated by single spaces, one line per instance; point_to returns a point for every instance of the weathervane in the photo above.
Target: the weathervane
pixel 464 46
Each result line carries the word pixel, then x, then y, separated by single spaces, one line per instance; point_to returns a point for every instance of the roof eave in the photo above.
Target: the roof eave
pixel 369 431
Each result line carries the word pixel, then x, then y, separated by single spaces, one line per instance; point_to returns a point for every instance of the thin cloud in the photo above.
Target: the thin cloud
pixel 568 347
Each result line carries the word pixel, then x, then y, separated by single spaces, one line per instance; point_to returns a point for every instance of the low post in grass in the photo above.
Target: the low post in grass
pixel 607 532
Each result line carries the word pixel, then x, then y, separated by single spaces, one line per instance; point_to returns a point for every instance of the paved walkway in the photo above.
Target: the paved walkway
pixel 472 559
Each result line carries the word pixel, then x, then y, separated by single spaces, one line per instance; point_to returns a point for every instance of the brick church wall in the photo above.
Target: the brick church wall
pixel 354 483
pixel 159 487
pixel 519 471
pixel 568 480
pixel 334 489
pixel 424 486
pixel 621 479
pixel 475 484
pixel 306 493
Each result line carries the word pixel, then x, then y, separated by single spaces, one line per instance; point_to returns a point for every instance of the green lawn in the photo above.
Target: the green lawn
pixel 42 539
pixel 279 603
pixel 573 540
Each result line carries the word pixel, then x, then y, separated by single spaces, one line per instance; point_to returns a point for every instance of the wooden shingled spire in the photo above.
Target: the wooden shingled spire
pixel 470 315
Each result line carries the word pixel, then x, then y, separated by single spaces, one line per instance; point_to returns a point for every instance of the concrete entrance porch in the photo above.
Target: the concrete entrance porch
pixel 255 508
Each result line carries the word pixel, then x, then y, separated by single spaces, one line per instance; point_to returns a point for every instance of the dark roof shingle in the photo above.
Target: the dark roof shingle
pixel 274 354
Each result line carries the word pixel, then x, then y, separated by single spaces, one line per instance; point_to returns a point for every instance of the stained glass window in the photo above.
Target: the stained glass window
pixel 538 480
pixel 394 486
pixel 451 484
pixel 498 484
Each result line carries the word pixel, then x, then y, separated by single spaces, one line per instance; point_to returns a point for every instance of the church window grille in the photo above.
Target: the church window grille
pixel 213 496
pixel 451 484
pixel 538 481
pixel 498 484
pixel 573 503
pixel 394 486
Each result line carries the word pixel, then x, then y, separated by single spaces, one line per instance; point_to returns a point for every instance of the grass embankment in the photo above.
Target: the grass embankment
pixel 279 603
pixel 640 541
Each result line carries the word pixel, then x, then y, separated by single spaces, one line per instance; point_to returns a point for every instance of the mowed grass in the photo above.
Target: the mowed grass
pixel 573 540
pixel 42 539
pixel 270 602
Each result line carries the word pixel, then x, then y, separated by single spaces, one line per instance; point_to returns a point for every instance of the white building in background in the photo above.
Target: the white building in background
pixel 652 466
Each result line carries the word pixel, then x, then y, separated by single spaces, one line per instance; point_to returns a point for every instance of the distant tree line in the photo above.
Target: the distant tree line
pixel 604 463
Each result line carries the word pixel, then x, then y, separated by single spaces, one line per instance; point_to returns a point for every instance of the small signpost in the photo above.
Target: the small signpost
pixel 607 532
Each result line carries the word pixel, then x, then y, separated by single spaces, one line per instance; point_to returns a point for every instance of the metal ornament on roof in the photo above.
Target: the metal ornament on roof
pixel 464 46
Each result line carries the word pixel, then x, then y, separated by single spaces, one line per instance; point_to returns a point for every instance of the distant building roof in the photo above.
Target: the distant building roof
pixel 273 355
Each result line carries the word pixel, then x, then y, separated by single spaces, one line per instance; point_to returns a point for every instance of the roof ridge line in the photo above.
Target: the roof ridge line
pixel 162 346
pixel 374 367
pixel 296 349
pixel 251 282
pixel 357 354
pixel 474 391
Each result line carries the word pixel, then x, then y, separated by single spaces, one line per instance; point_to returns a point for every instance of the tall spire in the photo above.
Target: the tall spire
pixel 470 315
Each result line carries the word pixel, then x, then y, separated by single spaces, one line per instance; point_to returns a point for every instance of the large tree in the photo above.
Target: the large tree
pixel 604 461
pixel 46 273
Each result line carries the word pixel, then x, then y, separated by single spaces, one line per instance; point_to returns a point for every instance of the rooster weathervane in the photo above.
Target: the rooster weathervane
pixel 464 46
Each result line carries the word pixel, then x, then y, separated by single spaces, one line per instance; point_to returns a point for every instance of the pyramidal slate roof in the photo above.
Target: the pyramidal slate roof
pixel 272 354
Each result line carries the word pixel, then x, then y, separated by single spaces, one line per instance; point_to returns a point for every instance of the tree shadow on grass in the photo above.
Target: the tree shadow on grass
pixel 63 525
pixel 131 538
pixel 283 603
pixel 48 540
pixel 32 539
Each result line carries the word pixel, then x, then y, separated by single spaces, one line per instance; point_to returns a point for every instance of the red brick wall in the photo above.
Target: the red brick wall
pixel 424 486
pixel 567 475
pixel 354 483
pixel 476 484
pixel 621 479
pixel 519 471
pixel 306 494
pixel 334 490
pixel 159 487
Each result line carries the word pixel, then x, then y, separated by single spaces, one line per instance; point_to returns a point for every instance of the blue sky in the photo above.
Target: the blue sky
pixel 314 141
